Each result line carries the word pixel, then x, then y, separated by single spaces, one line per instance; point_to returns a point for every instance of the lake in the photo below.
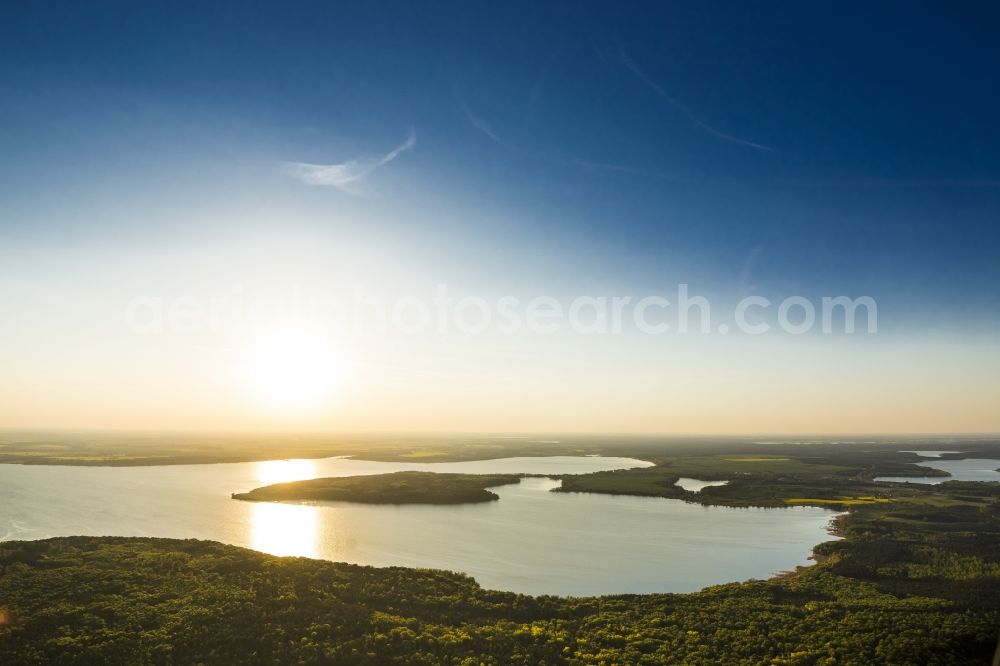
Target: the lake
pixel 697 485
pixel 970 469
pixel 531 540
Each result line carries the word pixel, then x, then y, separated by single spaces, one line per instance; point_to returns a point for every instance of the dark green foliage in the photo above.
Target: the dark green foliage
pixel 396 488
pixel 834 476
pixel 905 597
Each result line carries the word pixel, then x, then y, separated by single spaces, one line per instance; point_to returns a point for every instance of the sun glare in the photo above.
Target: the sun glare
pixel 292 370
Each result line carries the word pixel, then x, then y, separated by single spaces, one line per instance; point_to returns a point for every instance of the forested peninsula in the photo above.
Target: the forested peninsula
pixel 395 488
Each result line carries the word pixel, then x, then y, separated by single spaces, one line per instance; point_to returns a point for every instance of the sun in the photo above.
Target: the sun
pixel 292 369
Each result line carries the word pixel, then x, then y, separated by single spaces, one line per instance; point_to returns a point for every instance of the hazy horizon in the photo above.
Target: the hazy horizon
pixel 497 434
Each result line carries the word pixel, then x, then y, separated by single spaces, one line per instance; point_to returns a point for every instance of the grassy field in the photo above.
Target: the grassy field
pixel 123 449
pixel 702 455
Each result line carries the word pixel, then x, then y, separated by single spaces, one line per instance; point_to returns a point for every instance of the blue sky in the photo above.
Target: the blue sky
pixel 882 172
pixel 808 148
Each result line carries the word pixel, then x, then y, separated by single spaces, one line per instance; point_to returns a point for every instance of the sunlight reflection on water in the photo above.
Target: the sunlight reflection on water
pixel 282 471
pixel 284 529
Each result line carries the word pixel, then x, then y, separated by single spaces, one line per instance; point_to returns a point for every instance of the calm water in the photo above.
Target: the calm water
pixel 697 485
pixel 971 469
pixel 532 540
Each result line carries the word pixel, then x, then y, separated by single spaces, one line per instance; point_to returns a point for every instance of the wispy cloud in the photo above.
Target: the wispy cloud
pixel 487 130
pixel 631 65
pixel 478 122
pixel 347 176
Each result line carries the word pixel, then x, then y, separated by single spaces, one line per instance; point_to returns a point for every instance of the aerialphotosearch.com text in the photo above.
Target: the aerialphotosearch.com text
pixel 444 312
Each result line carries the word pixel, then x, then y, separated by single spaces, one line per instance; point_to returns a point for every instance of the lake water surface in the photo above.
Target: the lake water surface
pixel 531 541
pixel 970 469
pixel 697 485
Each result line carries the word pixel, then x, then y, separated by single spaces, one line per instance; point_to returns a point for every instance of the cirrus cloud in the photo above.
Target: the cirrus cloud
pixel 346 176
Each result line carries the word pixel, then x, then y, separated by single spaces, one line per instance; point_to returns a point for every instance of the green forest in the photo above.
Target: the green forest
pixel 395 488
